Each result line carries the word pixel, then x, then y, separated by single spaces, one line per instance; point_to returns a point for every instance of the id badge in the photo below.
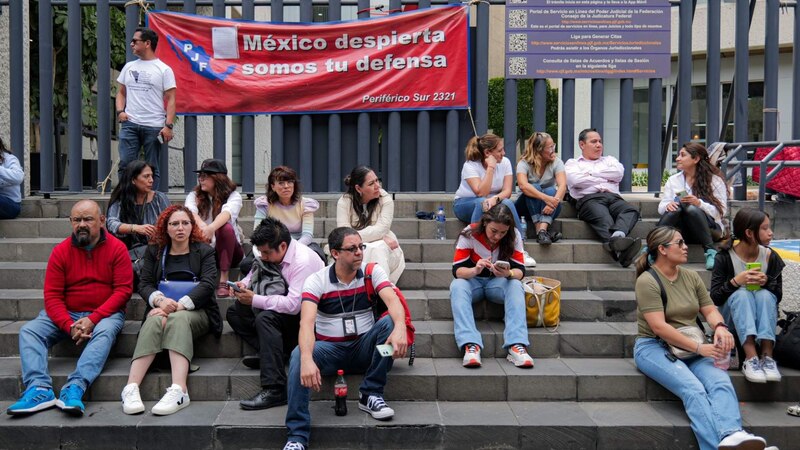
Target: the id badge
pixel 349 326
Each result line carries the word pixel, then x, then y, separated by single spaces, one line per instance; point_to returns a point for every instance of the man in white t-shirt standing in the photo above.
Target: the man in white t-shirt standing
pixel 145 103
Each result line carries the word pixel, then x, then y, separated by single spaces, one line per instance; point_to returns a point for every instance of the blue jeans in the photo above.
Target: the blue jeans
pixel 752 313
pixel 469 209
pixel 131 138
pixel 38 335
pixel 9 209
pixel 706 392
pixel 534 206
pixel 507 292
pixel 359 356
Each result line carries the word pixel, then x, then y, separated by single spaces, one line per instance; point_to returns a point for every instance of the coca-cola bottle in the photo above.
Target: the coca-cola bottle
pixel 340 394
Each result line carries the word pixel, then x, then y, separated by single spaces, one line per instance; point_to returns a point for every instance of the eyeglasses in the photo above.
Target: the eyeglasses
pixel 285 183
pixel 134 40
pixel 551 148
pixel 679 243
pixel 354 248
pixel 89 220
pixel 178 223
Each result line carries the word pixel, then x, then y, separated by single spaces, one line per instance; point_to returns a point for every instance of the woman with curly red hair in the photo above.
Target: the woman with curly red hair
pixel 177 282
pixel 216 205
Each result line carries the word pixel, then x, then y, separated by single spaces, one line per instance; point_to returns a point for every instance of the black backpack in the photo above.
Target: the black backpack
pixel 787 342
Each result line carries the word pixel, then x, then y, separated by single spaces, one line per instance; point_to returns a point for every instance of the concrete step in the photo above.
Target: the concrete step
pixel 423 425
pixel 25 304
pixel 434 338
pixel 437 379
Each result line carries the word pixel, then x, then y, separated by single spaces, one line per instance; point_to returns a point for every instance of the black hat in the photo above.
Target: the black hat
pixel 212 166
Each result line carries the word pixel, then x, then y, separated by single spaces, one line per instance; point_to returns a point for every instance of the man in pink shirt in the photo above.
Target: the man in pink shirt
pixel 593 181
pixel 266 313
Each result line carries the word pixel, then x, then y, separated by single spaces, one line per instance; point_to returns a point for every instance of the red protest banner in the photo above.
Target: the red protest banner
pixel 414 60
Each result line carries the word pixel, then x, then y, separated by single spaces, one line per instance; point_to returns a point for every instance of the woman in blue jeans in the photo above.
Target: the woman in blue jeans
pixel 749 298
pixel 488 265
pixel 706 391
pixel 543 182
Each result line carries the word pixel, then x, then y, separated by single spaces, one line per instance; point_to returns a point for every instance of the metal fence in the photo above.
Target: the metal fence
pixel 413 151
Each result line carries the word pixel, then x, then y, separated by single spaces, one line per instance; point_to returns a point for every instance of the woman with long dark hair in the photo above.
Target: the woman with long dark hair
pixel 370 210
pixel 488 265
pixel 11 178
pixel 173 318
pixel 696 199
pixel 216 205
pixel 706 391
pixel 747 286
pixel 134 206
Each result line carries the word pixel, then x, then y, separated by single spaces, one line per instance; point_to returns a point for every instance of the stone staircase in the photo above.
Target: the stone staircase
pixel 585 391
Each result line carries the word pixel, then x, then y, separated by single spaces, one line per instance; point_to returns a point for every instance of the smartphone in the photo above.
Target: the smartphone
pixel 751 266
pixel 160 138
pixel 385 350
pixel 502 265
pixel 233 286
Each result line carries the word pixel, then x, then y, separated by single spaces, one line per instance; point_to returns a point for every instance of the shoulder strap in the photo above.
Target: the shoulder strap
pixel 660 286
pixel 368 280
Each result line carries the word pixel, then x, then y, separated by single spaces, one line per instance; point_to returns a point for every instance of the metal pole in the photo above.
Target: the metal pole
pixel 46 173
pixel 626 132
pixel 598 97
pixel 305 171
pixel 771 71
pixel 423 151
pixel 742 61
pixel 276 15
pixel 248 139
pixel 713 94
pixel 685 73
pixel 163 152
pixel 131 23
pixel 510 123
pixel 103 89
pixel 451 176
pixel 17 85
pixel 220 140
pixel 654 124
pixel 796 78
pixel 394 150
pixel 568 119
pixel 334 123
pixel 539 105
pixel 189 131
pixel 74 96
pixel 481 111
pixel 364 119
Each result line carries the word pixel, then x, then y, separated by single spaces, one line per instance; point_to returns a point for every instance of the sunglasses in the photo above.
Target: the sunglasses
pixel 354 248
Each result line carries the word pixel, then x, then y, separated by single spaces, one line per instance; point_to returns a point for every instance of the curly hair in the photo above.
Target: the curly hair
pixel 501 214
pixel 223 186
pixel 534 149
pixel 479 144
pixel 357 177
pixel 282 173
pixel 161 237
pixel 705 172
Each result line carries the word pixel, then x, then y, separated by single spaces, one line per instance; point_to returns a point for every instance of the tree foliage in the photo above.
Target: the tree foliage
pixel 524 108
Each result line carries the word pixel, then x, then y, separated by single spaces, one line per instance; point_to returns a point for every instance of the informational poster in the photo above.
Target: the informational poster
pixel 405 61
pixel 587 39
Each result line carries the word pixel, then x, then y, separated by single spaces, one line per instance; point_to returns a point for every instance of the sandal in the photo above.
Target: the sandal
pixel 793 410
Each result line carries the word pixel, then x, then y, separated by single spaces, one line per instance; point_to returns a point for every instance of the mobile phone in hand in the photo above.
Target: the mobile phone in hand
pixel 160 138
pixel 502 265
pixel 233 286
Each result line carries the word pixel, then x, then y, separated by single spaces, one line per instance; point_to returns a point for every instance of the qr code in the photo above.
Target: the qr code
pixel 517 66
pixel 518 42
pixel 518 18
pixel 519 2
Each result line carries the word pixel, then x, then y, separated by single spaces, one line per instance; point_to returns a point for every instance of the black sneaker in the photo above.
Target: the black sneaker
pixel 375 406
pixel 627 256
pixel 556 236
pixel 544 238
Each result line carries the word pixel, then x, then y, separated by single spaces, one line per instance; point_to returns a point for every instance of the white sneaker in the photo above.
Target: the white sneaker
pixel 529 261
pixel 518 355
pixel 131 400
pixel 472 356
pixel 751 368
pixel 173 401
pixel 291 445
pixel 742 440
pixel 770 368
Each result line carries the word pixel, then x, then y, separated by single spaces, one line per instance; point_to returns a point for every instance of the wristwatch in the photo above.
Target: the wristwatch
pixel 169 125
pixel 120 111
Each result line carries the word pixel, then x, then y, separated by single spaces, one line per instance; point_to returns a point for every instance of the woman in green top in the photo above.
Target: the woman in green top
pixel 706 392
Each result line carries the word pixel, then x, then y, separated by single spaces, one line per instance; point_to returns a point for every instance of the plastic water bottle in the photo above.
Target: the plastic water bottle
pixel 723 363
pixel 523 228
pixel 440 233
pixel 340 394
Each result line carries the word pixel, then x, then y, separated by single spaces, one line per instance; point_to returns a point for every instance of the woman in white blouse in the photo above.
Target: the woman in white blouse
pixel 370 210
pixel 695 200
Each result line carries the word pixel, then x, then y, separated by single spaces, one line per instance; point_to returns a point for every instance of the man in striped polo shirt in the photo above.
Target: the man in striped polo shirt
pixel 338 330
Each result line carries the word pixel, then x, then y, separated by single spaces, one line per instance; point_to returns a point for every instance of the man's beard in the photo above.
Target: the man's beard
pixel 83 238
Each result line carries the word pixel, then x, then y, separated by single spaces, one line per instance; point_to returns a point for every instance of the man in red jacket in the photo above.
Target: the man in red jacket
pixel 89 280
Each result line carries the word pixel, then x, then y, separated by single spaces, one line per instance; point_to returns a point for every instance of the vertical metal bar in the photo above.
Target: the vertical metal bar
pixel 394 149
pixel 423 151
pixel 568 119
pixel 796 78
pixel 74 95
pixel 510 122
pixel 46 173
pixel 685 73
pixel 598 97
pixel 334 123
pixel 626 131
pixel 741 63
pixel 481 101
pixel 103 89
pixel 306 159
pixel 654 161
pixel 364 119
pixel 276 15
pixel 248 139
pixel 540 105
pixel 163 153
pixel 713 94
pixel 451 176
pixel 220 140
pixel 131 23
pixel 189 131
pixel 17 85
pixel 771 71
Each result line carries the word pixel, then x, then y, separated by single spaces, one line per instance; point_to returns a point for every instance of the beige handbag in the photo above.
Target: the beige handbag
pixel 694 334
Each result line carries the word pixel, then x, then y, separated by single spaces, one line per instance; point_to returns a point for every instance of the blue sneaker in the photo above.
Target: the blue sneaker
pixel 34 399
pixel 69 400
